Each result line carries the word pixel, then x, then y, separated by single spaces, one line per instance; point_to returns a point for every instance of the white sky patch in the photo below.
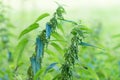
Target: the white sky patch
pixel 71 4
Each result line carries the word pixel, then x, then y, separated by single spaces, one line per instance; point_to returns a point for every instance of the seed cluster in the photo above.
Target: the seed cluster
pixel 71 55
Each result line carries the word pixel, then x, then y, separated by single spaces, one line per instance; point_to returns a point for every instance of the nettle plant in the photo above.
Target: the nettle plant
pixel 6 46
pixel 43 40
pixel 5 33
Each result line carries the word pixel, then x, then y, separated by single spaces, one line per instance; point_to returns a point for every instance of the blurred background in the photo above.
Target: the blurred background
pixel 106 11
pixel 101 16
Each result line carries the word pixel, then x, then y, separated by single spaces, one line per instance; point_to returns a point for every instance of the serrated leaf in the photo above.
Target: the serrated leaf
pixel 28 29
pixel 50 67
pixel 41 17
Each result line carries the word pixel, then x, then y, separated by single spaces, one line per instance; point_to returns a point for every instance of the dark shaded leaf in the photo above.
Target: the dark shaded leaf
pixel 48 31
pixel 56 77
pixel 33 64
pixel 87 44
pixel 39 72
pixel 50 67
pixel 70 21
pixel 9 56
pixel 39 48
pixel 39 52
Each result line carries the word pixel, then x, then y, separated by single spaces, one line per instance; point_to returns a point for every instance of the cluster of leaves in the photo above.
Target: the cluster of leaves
pixel 71 54
pixel 42 40
pixel 79 63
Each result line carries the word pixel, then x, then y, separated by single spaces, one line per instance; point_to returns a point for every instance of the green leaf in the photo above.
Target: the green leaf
pixel 70 21
pixel 50 52
pixel 85 28
pixel 58 36
pixel 20 48
pixel 87 44
pixel 41 17
pixel 52 65
pixel 38 74
pixel 30 28
pixel 60 27
pixel 34 25
pixel 57 47
pixel 56 77
pixel 93 73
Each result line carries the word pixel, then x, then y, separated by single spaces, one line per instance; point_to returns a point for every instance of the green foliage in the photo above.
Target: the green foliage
pixel 20 48
pixel 41 17
pixel 38 74
pixel 41 41
pixel 33 26
pixel 87 44
pixel 50 67
pixel 30 28
pixel 59 51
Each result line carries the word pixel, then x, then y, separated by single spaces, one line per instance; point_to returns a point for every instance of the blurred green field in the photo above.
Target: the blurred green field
pixel 98 62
